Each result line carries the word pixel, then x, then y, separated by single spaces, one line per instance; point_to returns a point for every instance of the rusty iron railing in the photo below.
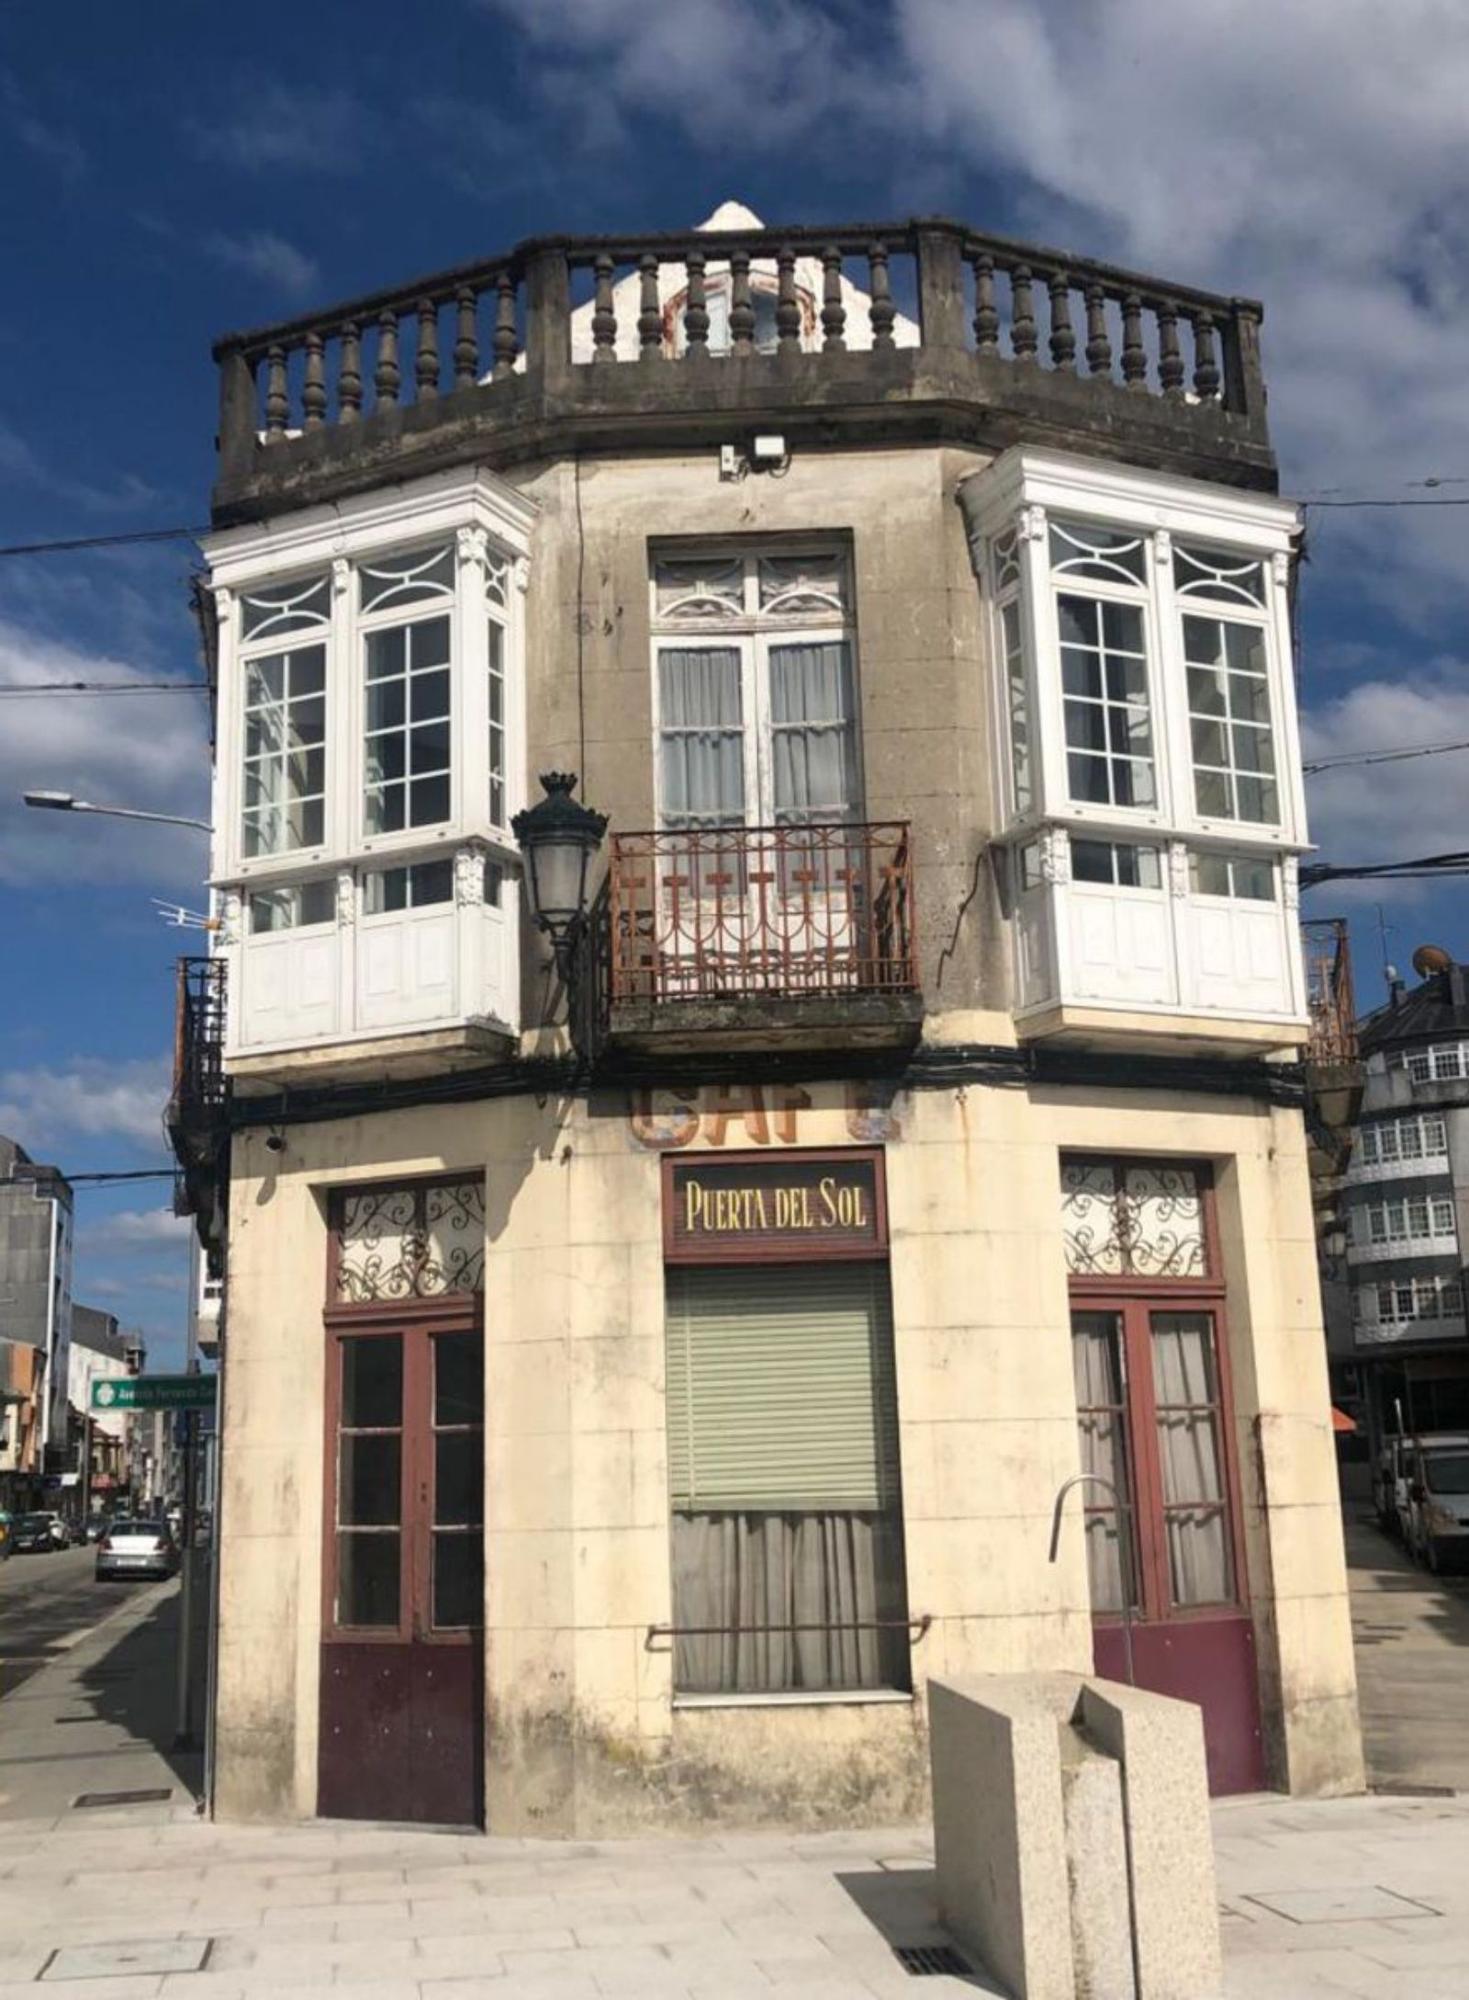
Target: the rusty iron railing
pixel 1330 998
pixel 719 913
pixel 199 1086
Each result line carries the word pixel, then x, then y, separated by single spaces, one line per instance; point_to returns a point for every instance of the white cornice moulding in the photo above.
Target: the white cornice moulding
pixel 373 521
pixel 1063 482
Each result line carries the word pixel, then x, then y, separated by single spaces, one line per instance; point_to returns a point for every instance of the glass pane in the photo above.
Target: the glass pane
pixel 372 1382
pixel 429 801
pixel 1096 1355
pixel 1185 1388
pixel 430 697
pixel 386 652
pixel 367 1579
pixel 385 705
pixel 459 1581
pixel 430 643
pixel 459 1478
pixel 369 1479
pixel 459 1379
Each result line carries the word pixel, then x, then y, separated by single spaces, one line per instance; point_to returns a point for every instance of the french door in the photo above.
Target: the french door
pixel 1154 1412
pixel 402 1658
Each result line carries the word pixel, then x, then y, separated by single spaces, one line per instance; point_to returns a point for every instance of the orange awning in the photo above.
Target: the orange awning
pixel 1340 1421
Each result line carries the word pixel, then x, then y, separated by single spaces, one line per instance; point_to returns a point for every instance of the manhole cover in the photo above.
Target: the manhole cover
pixel 920 1959
pixel 1342 1906
pixel 137 1955
pixel 148 1798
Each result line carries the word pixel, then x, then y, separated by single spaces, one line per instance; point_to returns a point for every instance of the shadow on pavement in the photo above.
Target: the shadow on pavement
pixel 901 1905
pixel 133 1685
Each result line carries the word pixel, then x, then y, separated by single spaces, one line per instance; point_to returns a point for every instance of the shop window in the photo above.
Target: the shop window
pixel 787 1530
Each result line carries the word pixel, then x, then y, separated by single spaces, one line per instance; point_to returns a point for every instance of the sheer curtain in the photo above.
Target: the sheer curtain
pixel 835 1571
pixel 701 729
pixel 813 733
pixel 1096 1362
pixel 1186 1391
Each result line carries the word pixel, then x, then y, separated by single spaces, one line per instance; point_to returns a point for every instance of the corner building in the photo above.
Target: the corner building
pixel 646 1364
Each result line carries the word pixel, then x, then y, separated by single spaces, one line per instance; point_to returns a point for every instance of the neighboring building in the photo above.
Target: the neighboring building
pixel 99 1352
pixel 645 1366
pixel 35 1322
pixel 1406 1204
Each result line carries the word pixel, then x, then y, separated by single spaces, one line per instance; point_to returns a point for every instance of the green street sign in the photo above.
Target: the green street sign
pixel 155 1392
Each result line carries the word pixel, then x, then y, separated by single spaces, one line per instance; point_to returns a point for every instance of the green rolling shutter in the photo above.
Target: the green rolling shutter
pixel 780 1388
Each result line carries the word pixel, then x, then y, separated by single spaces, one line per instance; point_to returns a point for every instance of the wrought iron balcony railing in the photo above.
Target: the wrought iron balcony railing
pixel 1330 998
pixel 586 341
pixel 765 912
pixel 199 1084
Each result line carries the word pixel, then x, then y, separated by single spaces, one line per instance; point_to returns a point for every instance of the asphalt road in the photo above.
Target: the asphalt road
pixel 44 1601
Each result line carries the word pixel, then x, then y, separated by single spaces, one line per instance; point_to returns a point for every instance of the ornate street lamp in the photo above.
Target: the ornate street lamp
pixel 558 836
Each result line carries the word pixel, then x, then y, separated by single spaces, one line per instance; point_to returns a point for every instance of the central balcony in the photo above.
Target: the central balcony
pixel 849 333
pixel 745 936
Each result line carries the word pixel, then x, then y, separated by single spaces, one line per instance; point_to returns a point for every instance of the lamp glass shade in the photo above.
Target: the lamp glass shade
pixel 558 875
pixel 558 837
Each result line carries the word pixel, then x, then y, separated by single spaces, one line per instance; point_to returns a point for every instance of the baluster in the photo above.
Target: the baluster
pixel 349 375
pixel 466 341
pixel 1134 354
pixel 986 315
pixel 1170 360
pixel 696 309
pixel 787 305
pixel 650 314
pixel 1206 367
pixel 277 400
pixel 1022 314
pixel 426 360
pixel 604 318
pixel 741 310
pixel 1098 345
pixel 313 384
pixel 505 340
pixel 833 312
pixel 882 311
pixel 1063 340
pixel 386 378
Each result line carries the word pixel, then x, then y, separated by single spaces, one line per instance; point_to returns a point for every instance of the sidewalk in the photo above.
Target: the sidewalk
pixel 1364 1897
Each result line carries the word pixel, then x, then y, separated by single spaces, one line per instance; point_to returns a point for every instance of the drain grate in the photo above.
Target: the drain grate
pixel 147 1798
pixel 930 1958
pixel 61 1720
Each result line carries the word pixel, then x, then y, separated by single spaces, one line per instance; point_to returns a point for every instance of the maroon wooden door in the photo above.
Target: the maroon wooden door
pixel 1154 1406
pixel 402 1657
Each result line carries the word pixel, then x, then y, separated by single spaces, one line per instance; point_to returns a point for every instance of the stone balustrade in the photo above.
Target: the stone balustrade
pixel 568 343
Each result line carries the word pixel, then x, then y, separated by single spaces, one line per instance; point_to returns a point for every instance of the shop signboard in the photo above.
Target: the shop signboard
pixel 763 1208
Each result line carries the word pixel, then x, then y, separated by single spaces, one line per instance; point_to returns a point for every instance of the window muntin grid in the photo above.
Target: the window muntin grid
pixel 1123 864
pixel 293 907
pixel 1444 1062
pixel 408 739
pixel 1230 728
pixel 284 799
pixel 1104 555
pixel 1104 680
pixel 1243 878
pixel 496 800
pixel 1222 574
pixel 1411 1219
pixel 412 576
pixel 1017 704
pixel 1412 1138
pixel 271 610
pixel 1407 1300
pixel 414 887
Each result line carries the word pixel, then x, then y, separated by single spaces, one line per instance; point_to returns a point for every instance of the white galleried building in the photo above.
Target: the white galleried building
pixel 662 1304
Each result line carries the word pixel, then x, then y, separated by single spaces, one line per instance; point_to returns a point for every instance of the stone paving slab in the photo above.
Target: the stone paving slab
pixel 1322 1899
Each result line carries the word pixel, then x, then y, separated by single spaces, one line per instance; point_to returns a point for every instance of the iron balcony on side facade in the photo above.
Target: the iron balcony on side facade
pixel 725 934
pixel 851 332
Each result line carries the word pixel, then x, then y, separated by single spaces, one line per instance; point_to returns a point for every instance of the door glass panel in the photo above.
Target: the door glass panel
pixel 1101 1413
pixel 369 1480
pixel 372 1383
pixel 457 1584
pixel 367 1578
pixel 1196 1523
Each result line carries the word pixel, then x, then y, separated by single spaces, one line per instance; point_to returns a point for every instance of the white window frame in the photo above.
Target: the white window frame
pixel 262 646
pixel 752 633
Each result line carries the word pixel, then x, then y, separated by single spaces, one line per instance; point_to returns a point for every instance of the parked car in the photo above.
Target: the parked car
pixel 137 1548
pixel 7 1535
pixel 1437 1531
pixel 33 1535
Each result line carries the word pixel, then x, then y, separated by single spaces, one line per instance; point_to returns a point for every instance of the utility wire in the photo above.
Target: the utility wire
pixel 104 687
pixel 137 1174
pixel 103 541
pixel 1380 756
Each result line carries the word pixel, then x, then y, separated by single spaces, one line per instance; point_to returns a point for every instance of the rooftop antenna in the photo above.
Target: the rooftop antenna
pixel 182 919
pixel 1384 931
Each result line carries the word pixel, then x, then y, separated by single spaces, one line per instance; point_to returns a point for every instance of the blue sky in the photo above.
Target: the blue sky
pixel 173 171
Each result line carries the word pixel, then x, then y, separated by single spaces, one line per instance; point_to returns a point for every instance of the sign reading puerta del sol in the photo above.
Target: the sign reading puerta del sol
pixel 794 1205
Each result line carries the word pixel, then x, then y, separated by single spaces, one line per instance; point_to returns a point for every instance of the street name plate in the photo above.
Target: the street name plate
pixel 155 1392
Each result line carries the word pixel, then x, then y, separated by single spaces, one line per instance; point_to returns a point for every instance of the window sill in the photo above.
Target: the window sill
pixel 795 1698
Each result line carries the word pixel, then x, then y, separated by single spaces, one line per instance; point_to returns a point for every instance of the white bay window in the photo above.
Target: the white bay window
pixel 1147 774
pixel 371 732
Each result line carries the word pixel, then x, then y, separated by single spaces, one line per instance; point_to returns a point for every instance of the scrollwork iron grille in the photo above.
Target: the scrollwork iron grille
pixel 418 1240
pixel 1142 1219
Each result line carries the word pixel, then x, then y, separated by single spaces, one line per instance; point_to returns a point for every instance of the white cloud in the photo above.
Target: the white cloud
pixel 1397 811
pixel 20 463
pixel 135 1229
pixel 277 125
pixel 148 750
pixel 59 149
pixel 47 1110
pixel 267 256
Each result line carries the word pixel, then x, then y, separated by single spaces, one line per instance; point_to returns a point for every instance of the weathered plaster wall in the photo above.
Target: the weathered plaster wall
pixel 582 1733
pixel 924 713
